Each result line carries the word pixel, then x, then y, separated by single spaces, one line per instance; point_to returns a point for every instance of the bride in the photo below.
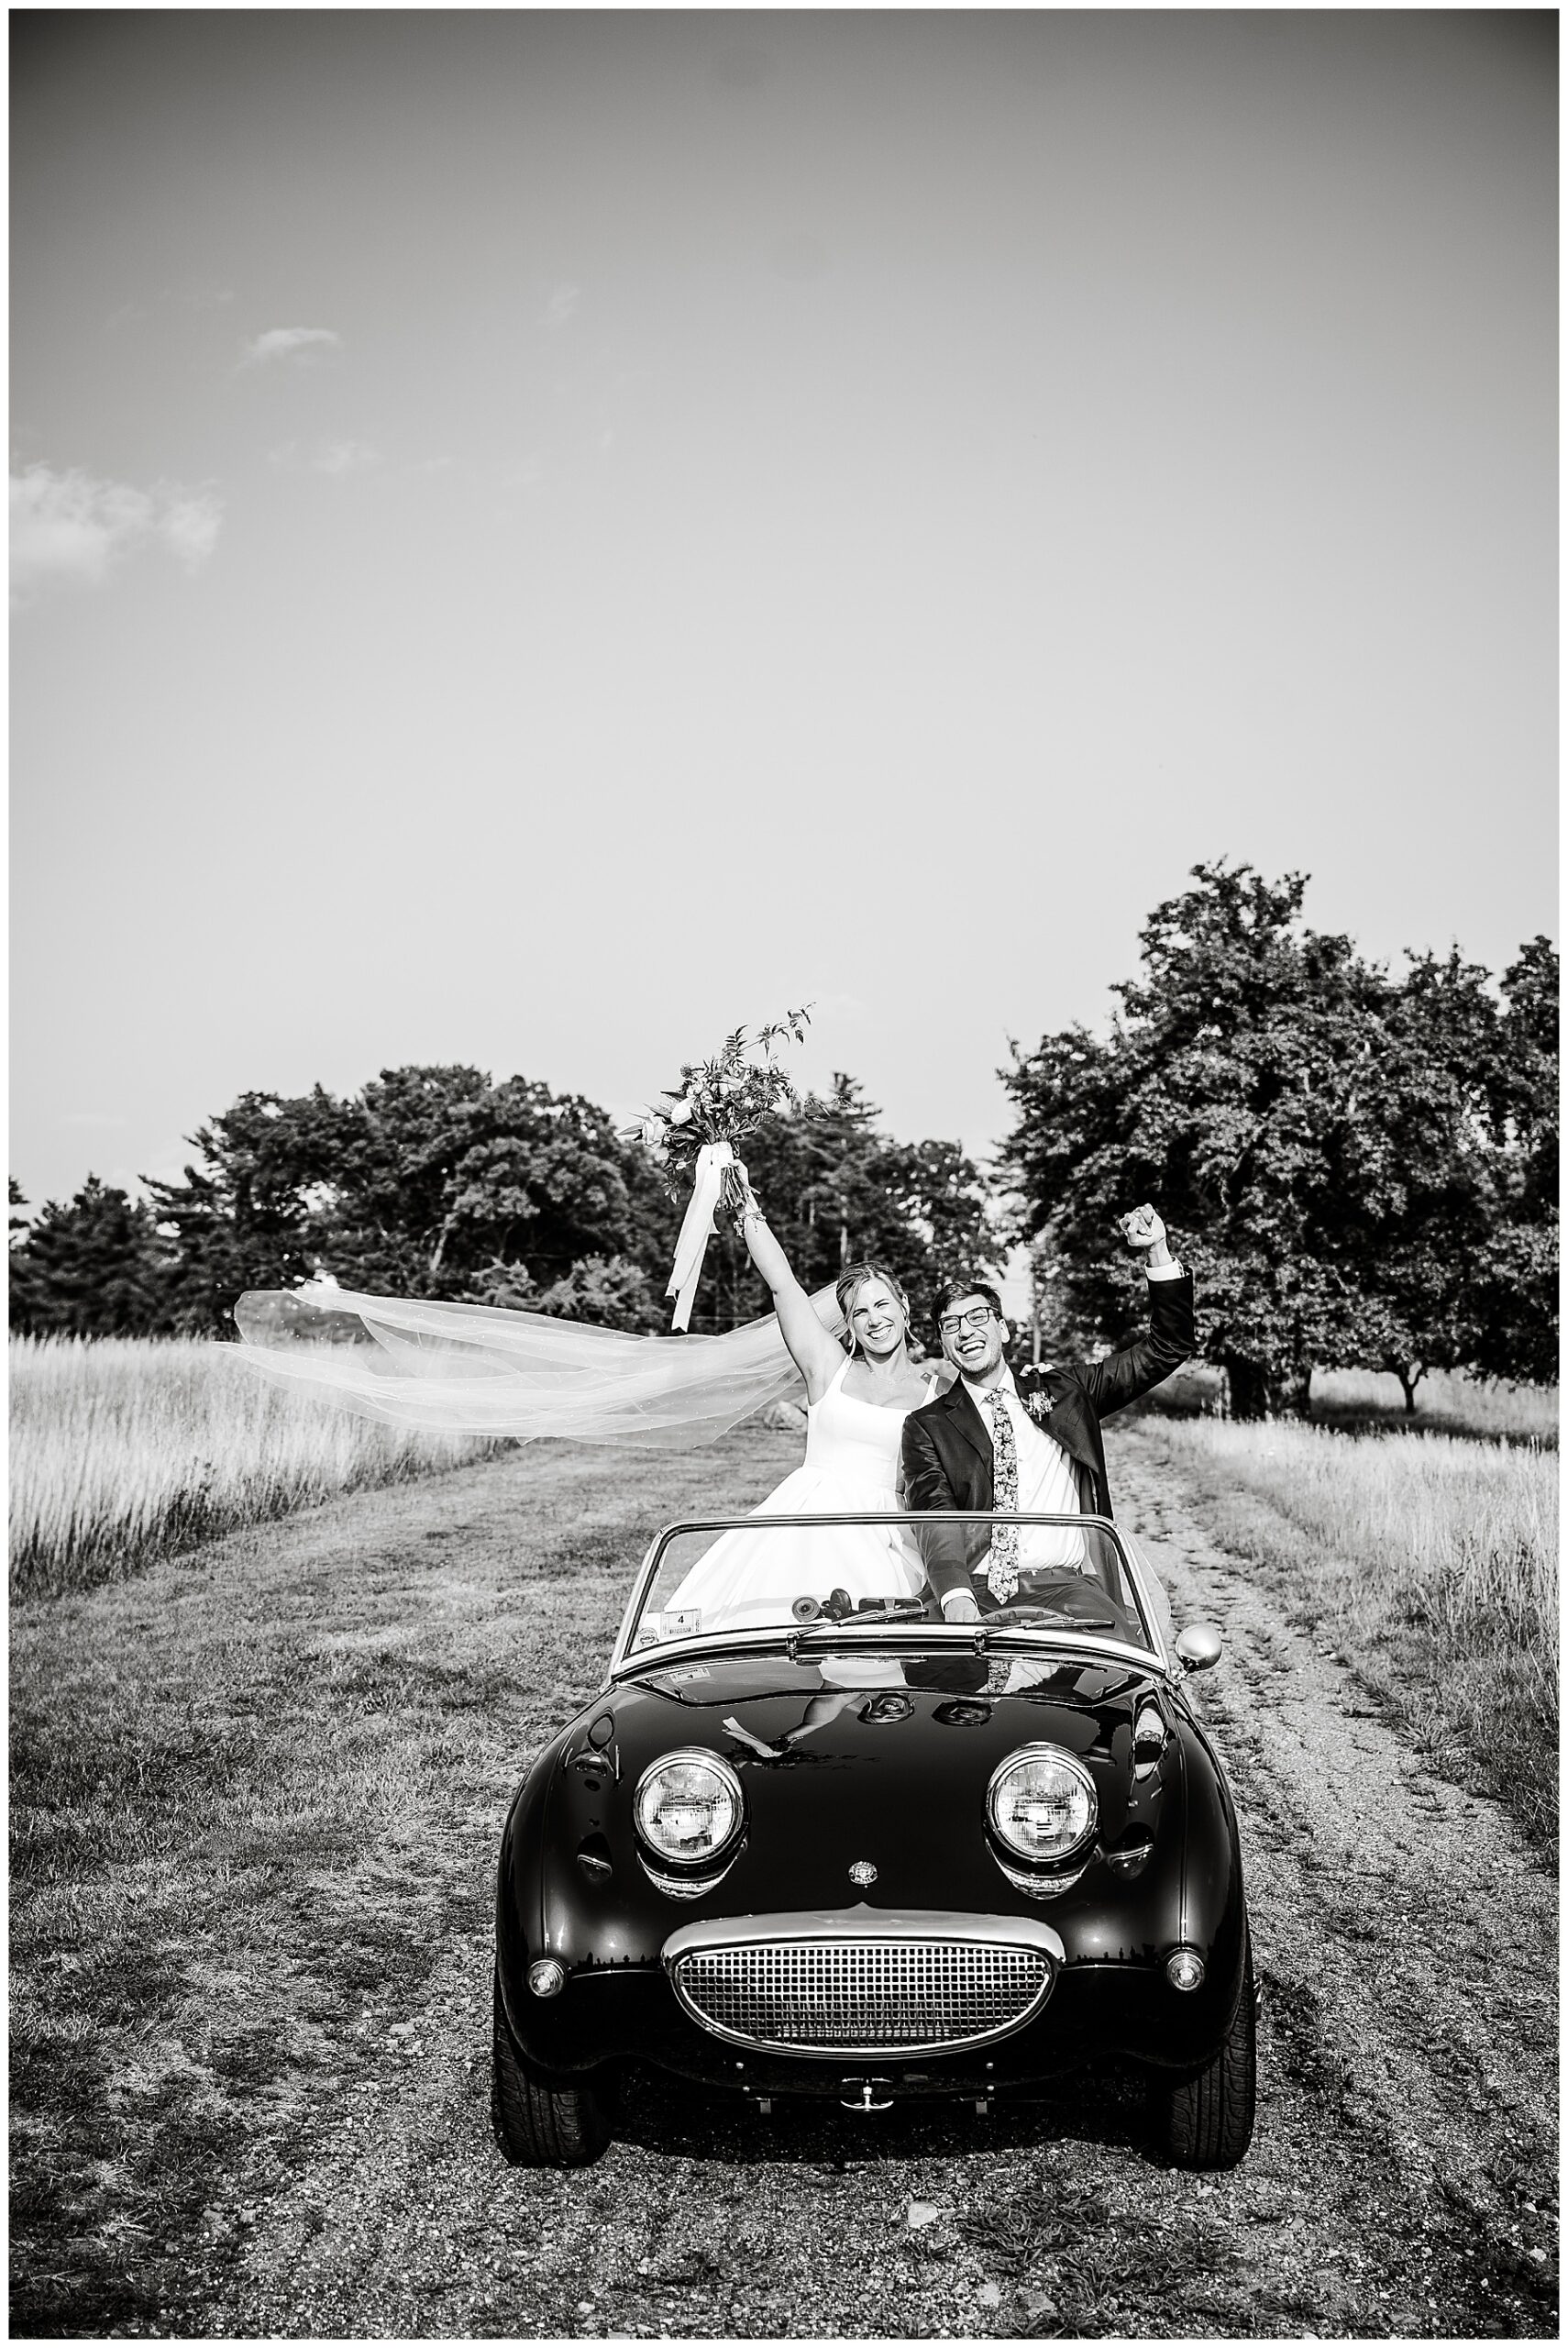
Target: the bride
pixel 856 1401
pixel 488 1370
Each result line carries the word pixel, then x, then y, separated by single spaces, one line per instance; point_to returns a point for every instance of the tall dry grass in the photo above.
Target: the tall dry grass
pixel 1457 1530
pixel 125 1447
pixel 1448 1401
pixel 1434 1557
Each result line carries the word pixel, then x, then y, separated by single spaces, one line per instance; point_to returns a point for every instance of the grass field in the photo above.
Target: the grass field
pixel 124 1448
pixel 256 1789
pixel 256 1799
pixel 1432 1557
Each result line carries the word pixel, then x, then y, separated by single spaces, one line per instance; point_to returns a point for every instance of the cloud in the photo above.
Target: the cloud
pixel 291 342
pixel 189 527
pixel 344 457
pixel 330 457
pixel 562 303
pixel 172 297
pixel 67 527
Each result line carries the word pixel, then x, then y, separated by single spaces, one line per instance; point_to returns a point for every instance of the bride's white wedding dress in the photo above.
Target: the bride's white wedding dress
pixel 851 1467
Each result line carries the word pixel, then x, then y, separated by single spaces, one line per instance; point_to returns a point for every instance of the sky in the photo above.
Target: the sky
pixel 539 538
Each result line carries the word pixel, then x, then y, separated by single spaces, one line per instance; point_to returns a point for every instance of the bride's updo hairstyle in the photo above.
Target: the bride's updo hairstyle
pixel 850 1283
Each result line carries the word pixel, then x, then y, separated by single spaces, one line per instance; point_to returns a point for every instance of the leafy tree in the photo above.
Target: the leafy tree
pixel 252 1212
pixel 1528 1088
pixel 91 1268
pixel 432 1181
pixel 1514 1278
pixel 610 1290
pixel 1324 1141
pixel 945 1207
pixel 452 1174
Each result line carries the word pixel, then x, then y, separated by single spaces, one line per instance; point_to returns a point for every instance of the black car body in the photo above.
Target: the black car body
pixel 869 1854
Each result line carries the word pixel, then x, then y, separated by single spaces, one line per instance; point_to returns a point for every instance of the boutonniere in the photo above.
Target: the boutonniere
pixel 1039 1408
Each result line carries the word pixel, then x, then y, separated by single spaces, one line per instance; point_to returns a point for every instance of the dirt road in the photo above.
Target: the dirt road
pixel 1402 2180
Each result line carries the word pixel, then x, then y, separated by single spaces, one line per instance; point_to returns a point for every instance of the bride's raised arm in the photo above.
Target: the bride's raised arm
pixel 816 1355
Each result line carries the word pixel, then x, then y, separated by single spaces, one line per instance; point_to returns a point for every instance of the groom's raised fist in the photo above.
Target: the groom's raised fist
pixel 1143 1230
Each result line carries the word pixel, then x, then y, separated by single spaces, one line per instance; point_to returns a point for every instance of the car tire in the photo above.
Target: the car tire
pixel 1205 2121
pixel 540 2122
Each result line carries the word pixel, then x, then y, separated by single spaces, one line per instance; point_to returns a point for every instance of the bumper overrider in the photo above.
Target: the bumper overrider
pixel 938 2002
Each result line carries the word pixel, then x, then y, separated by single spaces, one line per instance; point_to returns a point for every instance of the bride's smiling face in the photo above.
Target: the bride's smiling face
pixel 877 1318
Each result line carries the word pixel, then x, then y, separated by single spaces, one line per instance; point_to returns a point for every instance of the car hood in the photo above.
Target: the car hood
pixel 849 1760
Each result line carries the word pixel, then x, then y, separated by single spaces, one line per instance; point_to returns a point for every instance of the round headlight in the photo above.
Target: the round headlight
pixel 1041 1803
pixel 688 1807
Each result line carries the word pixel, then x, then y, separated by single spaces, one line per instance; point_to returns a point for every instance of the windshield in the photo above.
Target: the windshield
pixel 820 1576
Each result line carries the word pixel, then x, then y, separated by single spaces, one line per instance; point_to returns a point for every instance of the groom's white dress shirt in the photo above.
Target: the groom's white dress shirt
pixel 1046 1485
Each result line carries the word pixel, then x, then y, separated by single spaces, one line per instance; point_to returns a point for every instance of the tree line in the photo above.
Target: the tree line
pixel 1360 1166
pixel 440 1183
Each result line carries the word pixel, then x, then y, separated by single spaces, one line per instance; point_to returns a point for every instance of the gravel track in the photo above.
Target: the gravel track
pixel 1402 2180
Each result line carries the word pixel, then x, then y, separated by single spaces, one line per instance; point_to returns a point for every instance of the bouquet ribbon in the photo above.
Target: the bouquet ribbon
pixel 698 1228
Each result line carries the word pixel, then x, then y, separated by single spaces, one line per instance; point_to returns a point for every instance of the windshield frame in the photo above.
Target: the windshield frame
pixel 627 1662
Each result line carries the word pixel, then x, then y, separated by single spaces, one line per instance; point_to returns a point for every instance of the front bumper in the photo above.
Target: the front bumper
pixel 1088 2010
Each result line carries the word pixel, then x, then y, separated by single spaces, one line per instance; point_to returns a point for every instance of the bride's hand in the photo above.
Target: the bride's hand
pixel 739 1198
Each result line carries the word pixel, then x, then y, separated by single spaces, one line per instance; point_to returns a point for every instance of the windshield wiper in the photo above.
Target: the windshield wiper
pixel 831 1626
pixel 1056 1618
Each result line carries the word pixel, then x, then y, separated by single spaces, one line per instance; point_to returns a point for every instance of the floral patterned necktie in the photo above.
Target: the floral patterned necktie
pixel 1002 1571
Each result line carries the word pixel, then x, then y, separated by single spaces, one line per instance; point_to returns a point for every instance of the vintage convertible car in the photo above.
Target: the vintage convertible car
pixel 807 1843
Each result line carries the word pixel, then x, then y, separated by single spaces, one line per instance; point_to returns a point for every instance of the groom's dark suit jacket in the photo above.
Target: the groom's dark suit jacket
pixel 947 1457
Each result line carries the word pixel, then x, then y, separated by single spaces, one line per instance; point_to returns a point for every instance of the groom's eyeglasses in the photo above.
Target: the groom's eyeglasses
pixel 976 1318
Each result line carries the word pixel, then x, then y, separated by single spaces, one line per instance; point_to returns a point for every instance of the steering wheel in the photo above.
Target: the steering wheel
pixel 839 1606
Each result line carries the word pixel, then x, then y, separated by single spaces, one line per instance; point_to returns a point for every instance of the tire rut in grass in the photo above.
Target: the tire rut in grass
pixel 1405 1932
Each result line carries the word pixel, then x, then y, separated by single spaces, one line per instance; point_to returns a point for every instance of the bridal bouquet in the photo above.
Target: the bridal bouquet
pixel 719 1101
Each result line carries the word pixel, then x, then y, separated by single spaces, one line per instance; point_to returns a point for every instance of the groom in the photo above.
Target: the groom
pixel 1031 1442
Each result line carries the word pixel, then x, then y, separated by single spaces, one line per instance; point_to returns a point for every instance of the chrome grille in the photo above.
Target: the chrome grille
pixel 833 1994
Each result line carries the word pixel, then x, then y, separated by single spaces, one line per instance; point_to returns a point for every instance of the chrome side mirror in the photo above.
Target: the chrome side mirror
pixel 1200 1646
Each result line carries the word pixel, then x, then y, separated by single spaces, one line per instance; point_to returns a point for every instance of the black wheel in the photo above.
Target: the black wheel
pixel 1206 2122
pixel 539 2123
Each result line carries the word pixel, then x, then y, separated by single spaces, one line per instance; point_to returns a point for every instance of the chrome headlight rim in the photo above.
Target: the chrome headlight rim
pixel 701 1863
pixel 1072 1854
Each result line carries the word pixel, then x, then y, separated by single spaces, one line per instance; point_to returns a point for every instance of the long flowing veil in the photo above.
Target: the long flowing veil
pixel 484 1369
